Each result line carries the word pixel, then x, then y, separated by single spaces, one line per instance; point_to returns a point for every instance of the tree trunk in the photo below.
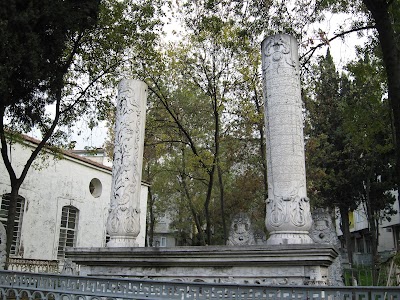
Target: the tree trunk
pixel 192 208
pixel 207 204
pixel 379 10
pixel 151 224
pixel 15 185
pixel 15 181
pixel 12 211
pixel 216 163
pixel 390 46
pixel 345 227
pixel 372 230
pixel 222 203
pixel 263 150
pixel 374 249
pixel 195 215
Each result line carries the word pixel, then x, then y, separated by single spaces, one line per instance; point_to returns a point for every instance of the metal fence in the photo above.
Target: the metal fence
pixel 18 285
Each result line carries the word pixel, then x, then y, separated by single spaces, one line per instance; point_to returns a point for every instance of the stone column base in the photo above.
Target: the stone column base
pixel 122 242
pixel 290 237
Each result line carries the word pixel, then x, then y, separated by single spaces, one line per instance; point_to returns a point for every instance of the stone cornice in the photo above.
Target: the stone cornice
pixel 215 256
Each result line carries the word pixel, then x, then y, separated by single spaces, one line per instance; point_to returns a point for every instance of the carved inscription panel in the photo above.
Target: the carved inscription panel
pixel 284 122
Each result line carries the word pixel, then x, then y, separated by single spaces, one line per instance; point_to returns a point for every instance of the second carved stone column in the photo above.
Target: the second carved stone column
pixel 288 218
pixel 123 224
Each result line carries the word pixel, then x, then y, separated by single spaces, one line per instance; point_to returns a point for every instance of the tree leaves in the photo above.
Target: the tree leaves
pixel 57 59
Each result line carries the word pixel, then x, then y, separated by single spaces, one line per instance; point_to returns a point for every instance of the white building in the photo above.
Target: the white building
pixel 63 202
pixel 98 155
pixel 164 236
pixel 389 234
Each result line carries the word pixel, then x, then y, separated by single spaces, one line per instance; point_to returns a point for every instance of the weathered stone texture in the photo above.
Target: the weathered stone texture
pixel 323 232
pixel 255 264
pixel 241 232
pixel 288 210
pixel 123 224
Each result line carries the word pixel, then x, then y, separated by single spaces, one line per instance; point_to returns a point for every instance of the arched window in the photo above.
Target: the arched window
pixel 5 204
pixel 68 229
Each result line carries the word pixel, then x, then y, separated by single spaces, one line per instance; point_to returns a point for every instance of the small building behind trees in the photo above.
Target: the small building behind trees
pixel 388 240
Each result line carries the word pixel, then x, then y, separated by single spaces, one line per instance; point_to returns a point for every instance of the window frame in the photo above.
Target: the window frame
pixel 19 216
pixel 68 232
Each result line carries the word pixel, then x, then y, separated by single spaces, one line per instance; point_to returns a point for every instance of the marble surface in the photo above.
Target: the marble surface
pixel 264 264
pixel 123 223
pixel 288 217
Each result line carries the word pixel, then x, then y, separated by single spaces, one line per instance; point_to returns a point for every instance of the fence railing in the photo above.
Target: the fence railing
pixel 33 265
pixel 18 285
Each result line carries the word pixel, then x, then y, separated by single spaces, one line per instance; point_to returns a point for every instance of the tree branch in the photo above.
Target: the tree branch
pixel 4 152
pixel 310 52
pixel 46 137
pixel 178 123
pixel 83 92
pixel 58 84
pixel 167 141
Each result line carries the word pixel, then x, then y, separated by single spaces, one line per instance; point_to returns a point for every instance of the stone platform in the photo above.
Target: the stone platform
pixel 258 264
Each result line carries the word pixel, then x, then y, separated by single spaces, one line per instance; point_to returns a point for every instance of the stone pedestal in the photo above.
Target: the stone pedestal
pixel 288 217
pixel 123 224
pixel 323 232
pixel 267 265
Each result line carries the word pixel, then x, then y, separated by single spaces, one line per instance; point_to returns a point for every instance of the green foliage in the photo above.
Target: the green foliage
pixel 57 59
pixel 367 121
pixel 396 259
pixel 34 36
pixel 77 48
pixel 361 275
pixel 350 150
pixel 204 132
pixel 329 156
pixel 202 140
pixel 210 79
pixel 349 128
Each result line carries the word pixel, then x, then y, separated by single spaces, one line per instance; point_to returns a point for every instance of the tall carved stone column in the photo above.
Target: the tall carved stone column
pixel 123 224
pixel 288 218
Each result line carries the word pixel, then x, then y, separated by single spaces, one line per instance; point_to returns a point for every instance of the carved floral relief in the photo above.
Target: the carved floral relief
pixel 124 216
pixel 288 209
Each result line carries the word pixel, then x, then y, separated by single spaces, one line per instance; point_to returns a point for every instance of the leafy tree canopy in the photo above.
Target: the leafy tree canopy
pixel 57 59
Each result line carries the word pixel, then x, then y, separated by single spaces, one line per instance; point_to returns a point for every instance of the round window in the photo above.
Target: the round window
pixel 95 187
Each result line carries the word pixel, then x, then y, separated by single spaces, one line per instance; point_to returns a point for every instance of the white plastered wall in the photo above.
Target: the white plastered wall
pixel 48 187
